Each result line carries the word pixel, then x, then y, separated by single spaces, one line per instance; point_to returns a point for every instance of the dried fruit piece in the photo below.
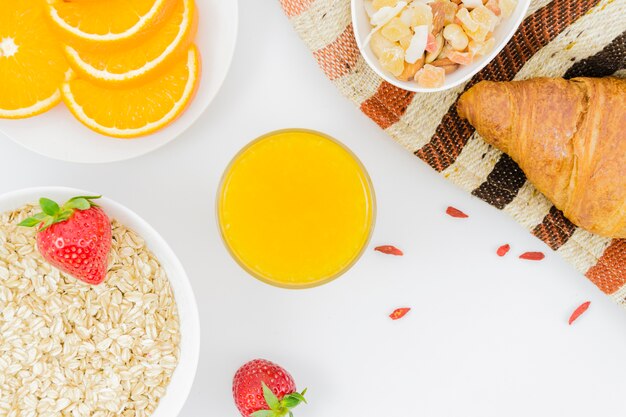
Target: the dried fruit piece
pixel 456 37
pixel 481 48
pixel 389 250
pixel 406 41
pixel 455 212
pixel 485 17
pixel 469 24
pixel 380 44
pixel 503 250
pixel 462 58
pixel 431 56
pixel 379 4
pixel 494 7
pixel 507 7
pixel 418 44
pixel 417 14
pixel 392 60
pixel 439 16
pixel 431 76
pixel 411 69
pixel 399 313
pixel 395 30
pixel 450 10
pixel 446 64
pixel 579 311
pixel 382 17
pixel 385 14
pixel 470 4
pixel 532 256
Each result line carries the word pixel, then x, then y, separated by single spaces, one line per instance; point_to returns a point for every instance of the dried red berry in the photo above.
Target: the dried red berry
pixel 399 313
pixel 455 212
pixel 503 250
pixel 532 256
pixel 389 250
pixel 579 311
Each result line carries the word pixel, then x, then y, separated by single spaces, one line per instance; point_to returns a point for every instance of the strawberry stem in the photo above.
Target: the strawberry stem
pixel 52 213
pixel 279 408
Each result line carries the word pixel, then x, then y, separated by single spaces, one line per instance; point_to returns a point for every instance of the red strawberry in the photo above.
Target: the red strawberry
pixel 75 238
pixel 263 389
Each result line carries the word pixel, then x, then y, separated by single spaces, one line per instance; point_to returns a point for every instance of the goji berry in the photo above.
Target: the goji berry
pixel 389 250
pixel 399 313
pixel 455 212
pixel 503 250
pixel 532 256
pixel 579 311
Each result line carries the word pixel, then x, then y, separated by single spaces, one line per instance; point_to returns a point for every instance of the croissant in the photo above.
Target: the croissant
pixel 569 138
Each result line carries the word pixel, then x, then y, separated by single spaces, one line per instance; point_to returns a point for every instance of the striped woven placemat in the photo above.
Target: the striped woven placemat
pixel 558 38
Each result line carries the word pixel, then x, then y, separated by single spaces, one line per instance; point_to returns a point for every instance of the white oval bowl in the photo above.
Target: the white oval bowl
pixel 182 379
pixel 503 33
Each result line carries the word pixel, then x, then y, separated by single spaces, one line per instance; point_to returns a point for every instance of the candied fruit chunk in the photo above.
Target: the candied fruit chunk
pixel 433 55
pixel 463 58
pixel 481 48
pixel 392 60
pixel 379 4
pixel 417 14
pixel 494 7
pixel 456 37
pixel 469 24
pixel 406 41
pixel 507 7
pixel 411 69
pixel 470 4
pixel 485 17
pixel 395 30
pixel 431 76
pixel 380 44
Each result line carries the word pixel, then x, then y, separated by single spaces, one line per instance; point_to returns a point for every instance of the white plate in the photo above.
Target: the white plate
pixel 182 379
pixel 58 135
pixel 503 33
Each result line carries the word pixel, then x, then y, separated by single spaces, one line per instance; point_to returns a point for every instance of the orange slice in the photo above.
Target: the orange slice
pixel 135 111
pixel 32 65
pixel 126 65
pixel 107 22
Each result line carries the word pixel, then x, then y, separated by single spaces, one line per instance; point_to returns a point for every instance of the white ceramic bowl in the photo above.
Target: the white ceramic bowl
pixel 182 379
pixel 503 33
pixel 57 134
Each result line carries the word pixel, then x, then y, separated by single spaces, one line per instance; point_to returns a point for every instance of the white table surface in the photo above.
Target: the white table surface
pixel 487 337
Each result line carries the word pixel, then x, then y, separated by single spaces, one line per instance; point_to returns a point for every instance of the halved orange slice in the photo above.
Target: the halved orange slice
pixel 106 22
pixel 32 64
pixel 132 64
pixel 138 110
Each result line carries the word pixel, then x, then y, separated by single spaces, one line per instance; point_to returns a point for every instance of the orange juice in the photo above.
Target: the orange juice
pixel 296 208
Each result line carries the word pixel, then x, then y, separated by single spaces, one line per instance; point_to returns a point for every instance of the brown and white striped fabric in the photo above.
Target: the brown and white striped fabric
pixel 558 38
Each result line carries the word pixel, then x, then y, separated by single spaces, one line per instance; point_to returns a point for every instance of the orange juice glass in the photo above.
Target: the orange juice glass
pixel 296 208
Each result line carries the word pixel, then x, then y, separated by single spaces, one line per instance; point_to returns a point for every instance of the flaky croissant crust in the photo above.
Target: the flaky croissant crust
pixel 569 138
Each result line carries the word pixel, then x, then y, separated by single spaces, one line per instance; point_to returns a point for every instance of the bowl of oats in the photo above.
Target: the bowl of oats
pixel 97 315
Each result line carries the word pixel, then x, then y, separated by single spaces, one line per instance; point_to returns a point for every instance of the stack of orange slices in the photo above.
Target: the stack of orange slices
pixel 124 68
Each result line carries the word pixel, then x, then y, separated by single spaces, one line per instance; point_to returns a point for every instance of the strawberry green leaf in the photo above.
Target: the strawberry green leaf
pixel 290 414
pixel 77 203
pixel 48 206
pixel 86 197
pixel 30 222
pixel 263 413
pixel 270 398
pixel 290 401
pixel 49 221
pixel 300 396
